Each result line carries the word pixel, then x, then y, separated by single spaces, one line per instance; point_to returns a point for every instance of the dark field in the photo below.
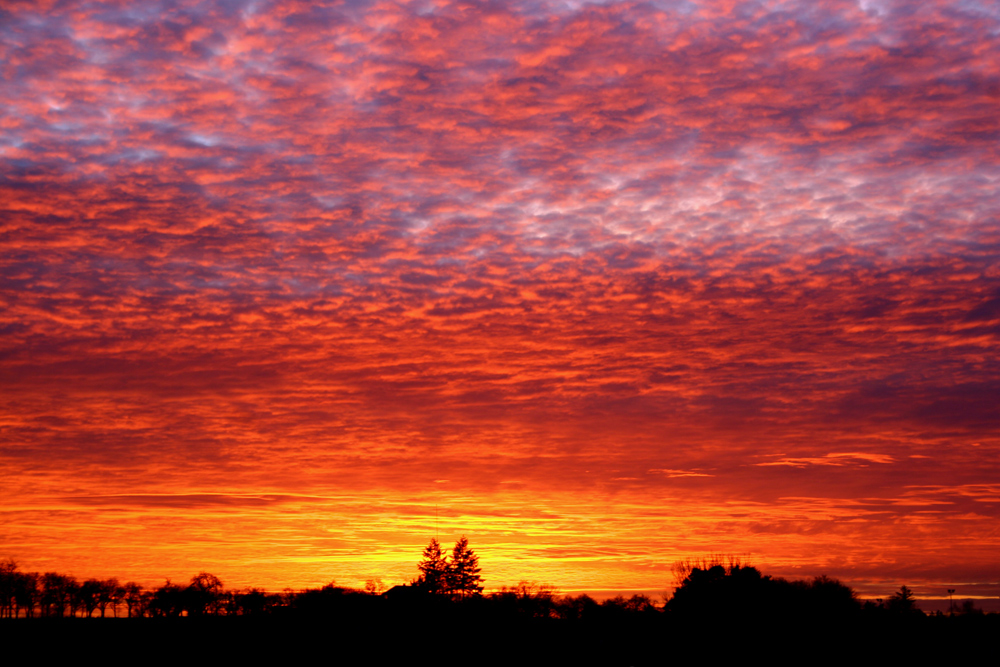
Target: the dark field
pixel 471 635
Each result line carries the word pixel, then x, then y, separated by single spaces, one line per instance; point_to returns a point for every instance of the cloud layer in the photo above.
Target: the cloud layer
pixel 606 284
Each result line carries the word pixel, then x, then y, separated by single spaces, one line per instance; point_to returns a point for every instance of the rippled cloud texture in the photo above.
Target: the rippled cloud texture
pixel 601 285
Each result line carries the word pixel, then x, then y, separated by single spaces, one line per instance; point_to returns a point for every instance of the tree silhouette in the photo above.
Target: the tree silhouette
pixel 527 598
pixel 463 572
pixel 74 595
pixel 721 590
pixel 117 594
pixel 167 600
pixel 251 601
pixel 106 592
pixel 903 602
pixel 26 593
pixel 89 593
pixel 829 597
pixel 375 586
pixel 433 569
pixel 132 597
pixel 578 608
pixel 8 586
pixel 969 608
pixel 54 593
pixel 203 595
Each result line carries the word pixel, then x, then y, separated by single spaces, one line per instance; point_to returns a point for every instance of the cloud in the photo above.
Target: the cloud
pixel 590 257
pixel 680 473
pixel 834 459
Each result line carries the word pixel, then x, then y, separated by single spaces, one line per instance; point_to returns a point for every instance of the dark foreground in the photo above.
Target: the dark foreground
pixel 465 635
pixel 719 614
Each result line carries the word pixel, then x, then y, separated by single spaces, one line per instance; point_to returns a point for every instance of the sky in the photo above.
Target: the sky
pixel 289 288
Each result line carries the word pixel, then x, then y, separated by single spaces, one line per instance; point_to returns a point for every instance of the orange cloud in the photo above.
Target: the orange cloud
pixel 280 278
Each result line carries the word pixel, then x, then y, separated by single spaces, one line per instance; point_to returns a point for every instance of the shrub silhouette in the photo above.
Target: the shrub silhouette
pixel 737 590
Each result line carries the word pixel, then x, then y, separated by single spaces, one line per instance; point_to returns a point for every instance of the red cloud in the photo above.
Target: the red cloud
pixel 612 271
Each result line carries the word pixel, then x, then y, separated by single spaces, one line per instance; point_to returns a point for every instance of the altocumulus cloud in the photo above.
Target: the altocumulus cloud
pixel 723 274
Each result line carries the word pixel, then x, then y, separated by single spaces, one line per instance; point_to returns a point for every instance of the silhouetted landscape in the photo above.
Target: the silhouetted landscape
pixel 720 607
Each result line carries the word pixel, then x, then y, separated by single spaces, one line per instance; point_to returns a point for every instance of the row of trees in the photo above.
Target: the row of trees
pixel 709 589
pixel 57 595
pixel 205 595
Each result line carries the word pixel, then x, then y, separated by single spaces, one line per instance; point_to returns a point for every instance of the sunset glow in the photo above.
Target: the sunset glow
pixel 290 287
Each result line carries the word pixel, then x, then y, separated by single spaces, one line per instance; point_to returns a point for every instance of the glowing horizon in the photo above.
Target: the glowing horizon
pixel 601 286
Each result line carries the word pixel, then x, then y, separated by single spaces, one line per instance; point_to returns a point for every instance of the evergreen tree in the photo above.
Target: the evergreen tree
pixel 433 569
pixel 463 572
pixel 903 602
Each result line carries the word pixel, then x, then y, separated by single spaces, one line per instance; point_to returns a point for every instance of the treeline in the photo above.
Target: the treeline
pixel 705 590
pixel 55 595
pixel 52 594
